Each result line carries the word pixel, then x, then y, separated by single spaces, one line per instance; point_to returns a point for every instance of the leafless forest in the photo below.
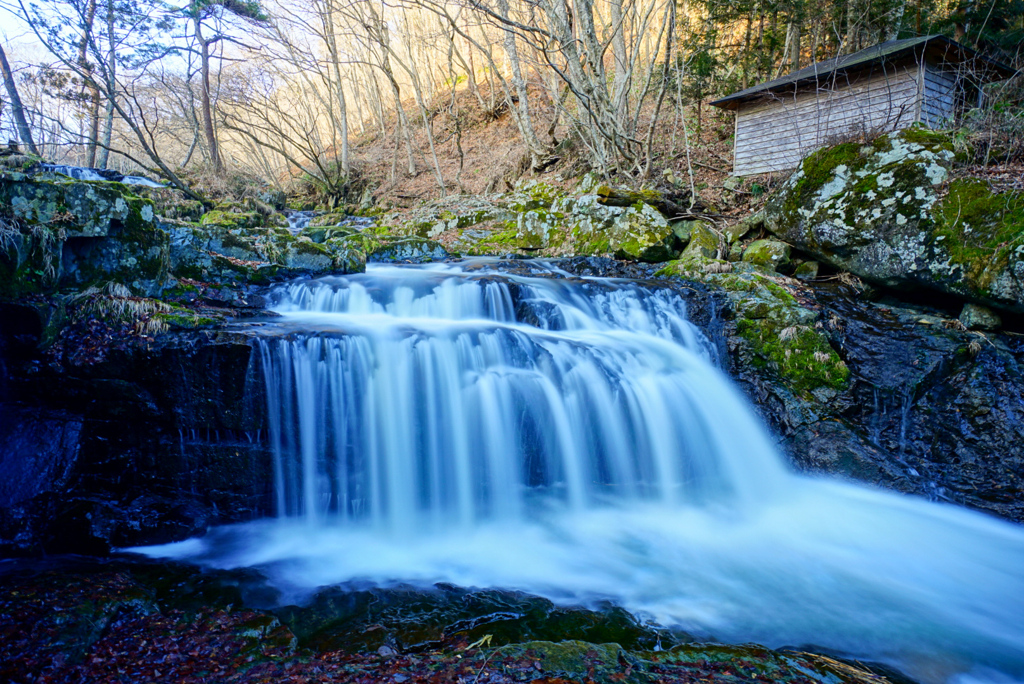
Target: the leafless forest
pixel 319 90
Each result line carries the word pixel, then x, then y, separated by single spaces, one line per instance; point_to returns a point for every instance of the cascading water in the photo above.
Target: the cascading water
pixel 85 173
pixel 574 439
pixel 299 221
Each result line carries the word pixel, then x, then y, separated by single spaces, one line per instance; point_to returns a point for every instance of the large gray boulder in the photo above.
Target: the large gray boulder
pixel 889 212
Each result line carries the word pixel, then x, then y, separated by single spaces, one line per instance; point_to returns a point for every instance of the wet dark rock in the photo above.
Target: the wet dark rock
pixel 931 409
pixel 82 619
pixel 146 443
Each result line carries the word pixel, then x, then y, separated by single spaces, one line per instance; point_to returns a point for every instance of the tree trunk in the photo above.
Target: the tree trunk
pixel 793 39
pixel 89 84
pixel 522 107
pixel 17 109
pixel 108 120
pixel 620 86
pixel 206 107
pixel 332 47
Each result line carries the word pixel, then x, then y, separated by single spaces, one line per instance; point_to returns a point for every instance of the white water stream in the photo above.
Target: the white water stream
pixel 576 440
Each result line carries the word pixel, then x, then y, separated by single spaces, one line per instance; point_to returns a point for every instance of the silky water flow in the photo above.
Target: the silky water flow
pixel 574 438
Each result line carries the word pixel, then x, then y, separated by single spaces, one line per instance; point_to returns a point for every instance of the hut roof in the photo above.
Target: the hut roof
pixel 939 47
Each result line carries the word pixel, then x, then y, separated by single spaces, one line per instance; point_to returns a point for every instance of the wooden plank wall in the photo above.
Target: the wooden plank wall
pixel 938 108
pixel 776 134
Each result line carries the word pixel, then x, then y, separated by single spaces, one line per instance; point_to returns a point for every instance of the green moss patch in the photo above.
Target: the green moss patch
pixel 780 335
pixel 980 230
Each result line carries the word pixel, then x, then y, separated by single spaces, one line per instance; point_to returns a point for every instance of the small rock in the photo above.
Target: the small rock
pixel 732 183
pixel 741 228
pixel 977 317
pixel 386 651
pixel 806 271
pixel 767 253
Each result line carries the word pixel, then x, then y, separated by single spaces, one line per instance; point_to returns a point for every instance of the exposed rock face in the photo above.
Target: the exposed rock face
pixel 72 233
pixel 927 408
pixel 150 443
pixel 901 397
pixel 888 212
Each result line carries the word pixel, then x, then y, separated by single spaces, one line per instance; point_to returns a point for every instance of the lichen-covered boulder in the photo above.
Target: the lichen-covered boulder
pixel 449 215
pixel 540 219
pixel 888 212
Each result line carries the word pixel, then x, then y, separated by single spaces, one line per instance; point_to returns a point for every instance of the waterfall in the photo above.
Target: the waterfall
pixel 574 438
pixel 424 401
pixel 299 220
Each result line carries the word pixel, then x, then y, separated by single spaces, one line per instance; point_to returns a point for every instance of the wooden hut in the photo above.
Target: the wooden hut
pixel 930 80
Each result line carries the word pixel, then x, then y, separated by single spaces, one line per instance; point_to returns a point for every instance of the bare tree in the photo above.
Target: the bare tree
pixel 17 108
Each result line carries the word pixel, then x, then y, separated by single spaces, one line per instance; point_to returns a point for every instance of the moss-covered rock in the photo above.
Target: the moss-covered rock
pixel 408 250
pixel 543 220
pixel 768 254
pixel 74 234
pixel 216 252
pixel 779 335
pixel 888 213
pixel 807 270
pixel 704 244
pixel 232 219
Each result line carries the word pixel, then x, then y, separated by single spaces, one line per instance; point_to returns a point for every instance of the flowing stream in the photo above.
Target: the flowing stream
pixel 575 439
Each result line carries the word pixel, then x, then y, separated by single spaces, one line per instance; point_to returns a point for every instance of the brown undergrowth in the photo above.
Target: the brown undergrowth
pixel 486 146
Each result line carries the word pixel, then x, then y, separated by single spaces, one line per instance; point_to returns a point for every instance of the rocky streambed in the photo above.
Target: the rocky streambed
pixel 121 620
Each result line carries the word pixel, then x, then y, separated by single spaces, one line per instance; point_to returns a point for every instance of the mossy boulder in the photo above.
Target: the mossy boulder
pixel 807 270
pixel 643 234
pixel 408 250
pixel 447 215
pixel 704 245
pixel 232 219
pixel 768 254
pixel 63 234
pixel 888 212
pixel 540 219
pixel 216 252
